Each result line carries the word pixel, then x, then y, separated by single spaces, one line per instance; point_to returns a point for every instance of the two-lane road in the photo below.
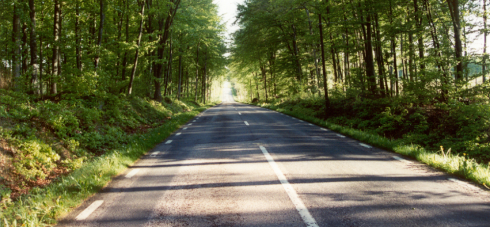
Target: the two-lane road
pixel 240 165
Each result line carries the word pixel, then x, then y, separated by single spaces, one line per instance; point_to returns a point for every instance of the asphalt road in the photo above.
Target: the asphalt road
pixel 240 165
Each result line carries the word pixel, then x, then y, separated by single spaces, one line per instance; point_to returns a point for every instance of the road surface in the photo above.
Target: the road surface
pixel 240 165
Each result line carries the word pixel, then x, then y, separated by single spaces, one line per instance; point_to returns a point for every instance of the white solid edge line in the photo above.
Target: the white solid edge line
pixel 300 206
pixel 464 183
pixel 365 145
pixel 89 210
pixel 401 159
pixel 168 142
pixel 132 173
pixel 246 123
pixel 178 134
pixel 340 136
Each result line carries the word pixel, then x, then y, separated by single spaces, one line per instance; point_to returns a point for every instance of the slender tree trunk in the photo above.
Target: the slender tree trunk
pixel 204 80
pixel 179 88
pixel 16 39
pixel 484 67
pixel 264 77
pixel 325 85
pixel 136 55
pixel 24 49
pixel 125 57
pixel 33 47
pixel 379 58
pixel 56 48
pixel 101 32
pixel 369 60
pixel 197 70
pixel 458 48
pixel 77 35
pixel 169 72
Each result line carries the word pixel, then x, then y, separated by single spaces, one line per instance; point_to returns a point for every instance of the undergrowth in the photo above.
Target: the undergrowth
pixel 453 137
pixel 62 151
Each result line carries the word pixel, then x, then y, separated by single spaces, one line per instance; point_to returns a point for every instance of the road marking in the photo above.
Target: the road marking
pixel 178 134
pixel 246 123
pixel 365 145
pixel 194 121
pixel 155 153
pixel 400 159
pixel 300 206
pixel 168 142
pixel 311 124
pixel 239 113
pixel 190 124
pixel 464 183
pixel 324 129
pixel 132 173
pixel 185 128
pixel 341 136
pixel 90 209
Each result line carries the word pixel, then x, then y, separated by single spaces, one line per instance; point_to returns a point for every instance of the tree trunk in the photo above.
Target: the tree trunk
pixel 458 48
pixel 179 88
pixel 369 59
pixel 484 67
pixel 33 47
pixel 420 35
pixel 197 70
pixel 56 48
pixel 325 85
pixel 77 36
pixel 16 39
pixel 379 58
pixel 264 77
pixel 125 57
pixel 101 32
pixel 136 55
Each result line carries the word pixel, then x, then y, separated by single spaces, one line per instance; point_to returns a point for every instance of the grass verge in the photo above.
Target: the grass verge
pixel 454 164
pixel 42 206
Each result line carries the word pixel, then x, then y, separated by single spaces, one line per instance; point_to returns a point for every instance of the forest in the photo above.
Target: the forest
pixel 87 87
pixel 411 71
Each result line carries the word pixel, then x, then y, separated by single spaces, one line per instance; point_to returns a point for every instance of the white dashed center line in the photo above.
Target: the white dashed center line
pixel 311 124
pixel 300 206
pixel 194 121
pixel 324 129
pixel 155 153
pixel 132 173
pixel 239 113
pixel 246 123
pixel 341 136
pixel 87 212
pixel 190 124
pixel 169 142
pixel 178 134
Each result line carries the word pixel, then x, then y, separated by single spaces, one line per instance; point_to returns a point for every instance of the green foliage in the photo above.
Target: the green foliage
pixel 467 157
pixel 98 145
pixel 35 160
